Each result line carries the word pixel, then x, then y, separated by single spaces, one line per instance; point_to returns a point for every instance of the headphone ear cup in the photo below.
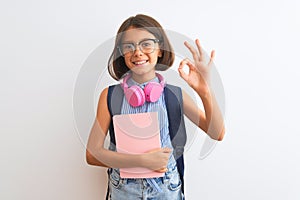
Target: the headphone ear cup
pixel 153 91
pixel 135 96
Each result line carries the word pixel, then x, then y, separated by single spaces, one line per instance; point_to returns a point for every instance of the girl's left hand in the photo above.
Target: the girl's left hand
pixel 198 76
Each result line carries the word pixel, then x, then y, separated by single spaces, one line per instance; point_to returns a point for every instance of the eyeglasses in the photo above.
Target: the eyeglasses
pixel 146 46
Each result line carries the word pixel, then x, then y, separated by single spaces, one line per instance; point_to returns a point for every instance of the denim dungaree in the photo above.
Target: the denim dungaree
pixel 167 187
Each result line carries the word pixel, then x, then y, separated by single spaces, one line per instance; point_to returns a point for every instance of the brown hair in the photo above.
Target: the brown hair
pixel 116 63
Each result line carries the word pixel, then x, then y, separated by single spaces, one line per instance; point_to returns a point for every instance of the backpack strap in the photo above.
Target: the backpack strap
pixel 177 131
pixel 114 102
pixel 174 103
pixel 115 99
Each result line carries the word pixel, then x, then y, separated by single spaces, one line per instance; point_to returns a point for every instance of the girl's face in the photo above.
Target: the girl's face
pixel 141 51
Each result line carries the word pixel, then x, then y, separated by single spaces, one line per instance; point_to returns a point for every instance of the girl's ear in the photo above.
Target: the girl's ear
pixel 159 53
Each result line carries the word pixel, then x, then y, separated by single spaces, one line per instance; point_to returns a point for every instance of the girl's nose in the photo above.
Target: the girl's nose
pixel 137 51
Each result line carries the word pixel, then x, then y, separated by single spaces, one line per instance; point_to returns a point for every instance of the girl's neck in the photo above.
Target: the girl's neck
pixel 142 78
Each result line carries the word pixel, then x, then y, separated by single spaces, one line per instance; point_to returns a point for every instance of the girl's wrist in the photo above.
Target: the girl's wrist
pixel 141 160
pixel 205 93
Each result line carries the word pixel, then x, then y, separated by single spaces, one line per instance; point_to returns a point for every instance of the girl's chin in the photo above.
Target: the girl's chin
pixel 144 68
pixel 142 72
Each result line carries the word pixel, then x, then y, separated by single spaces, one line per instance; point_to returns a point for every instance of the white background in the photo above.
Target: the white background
pixel 43 45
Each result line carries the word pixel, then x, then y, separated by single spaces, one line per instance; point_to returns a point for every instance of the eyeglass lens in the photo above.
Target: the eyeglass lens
pixel 146 46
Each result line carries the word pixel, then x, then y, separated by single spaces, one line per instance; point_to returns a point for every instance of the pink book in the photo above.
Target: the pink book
pixel 136 134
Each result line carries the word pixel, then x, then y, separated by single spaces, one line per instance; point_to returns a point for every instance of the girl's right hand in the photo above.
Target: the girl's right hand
pixel 157 159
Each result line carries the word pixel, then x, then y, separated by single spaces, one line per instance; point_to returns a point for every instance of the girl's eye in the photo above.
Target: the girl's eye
pixel 127 46
pixel 146 44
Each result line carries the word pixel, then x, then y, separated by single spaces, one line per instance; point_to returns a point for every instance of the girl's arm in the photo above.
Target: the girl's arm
pixel 96 154
pixel 214 127
pixel 210 121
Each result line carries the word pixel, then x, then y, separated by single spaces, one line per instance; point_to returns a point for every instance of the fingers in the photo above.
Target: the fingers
pixel 161 158
pixel 195 54
pixel 162 170
pixel 212 57
pixel 163 150
pixel 199 49
pixel 154 150
pixel 184 62
pixel 199 56
pixel 166 150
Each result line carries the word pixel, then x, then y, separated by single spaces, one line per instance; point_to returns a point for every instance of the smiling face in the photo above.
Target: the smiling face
pixel 141 64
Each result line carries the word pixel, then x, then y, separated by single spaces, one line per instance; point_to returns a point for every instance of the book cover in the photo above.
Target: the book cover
pixel 135 134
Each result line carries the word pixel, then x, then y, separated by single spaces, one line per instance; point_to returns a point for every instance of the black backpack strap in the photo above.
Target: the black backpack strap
pixel 174 104
pixel 107 191
pixel 114 103
pixel 115 97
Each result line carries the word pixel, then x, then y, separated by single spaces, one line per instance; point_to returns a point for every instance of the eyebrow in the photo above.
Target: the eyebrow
pixel 132 42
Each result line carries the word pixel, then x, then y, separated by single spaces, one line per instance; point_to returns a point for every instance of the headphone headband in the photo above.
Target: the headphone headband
pixel 161 79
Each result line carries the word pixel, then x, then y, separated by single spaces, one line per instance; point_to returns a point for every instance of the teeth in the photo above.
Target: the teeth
pixel 140 62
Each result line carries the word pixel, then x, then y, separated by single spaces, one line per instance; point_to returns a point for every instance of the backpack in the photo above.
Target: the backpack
pixel 174 105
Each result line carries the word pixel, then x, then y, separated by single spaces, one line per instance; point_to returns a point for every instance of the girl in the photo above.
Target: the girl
pixel 142 48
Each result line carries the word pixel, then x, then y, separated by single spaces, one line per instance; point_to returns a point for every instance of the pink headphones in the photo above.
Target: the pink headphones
pixel 136 96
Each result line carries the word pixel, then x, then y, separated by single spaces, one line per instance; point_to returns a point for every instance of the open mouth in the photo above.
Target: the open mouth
pixel 141 62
